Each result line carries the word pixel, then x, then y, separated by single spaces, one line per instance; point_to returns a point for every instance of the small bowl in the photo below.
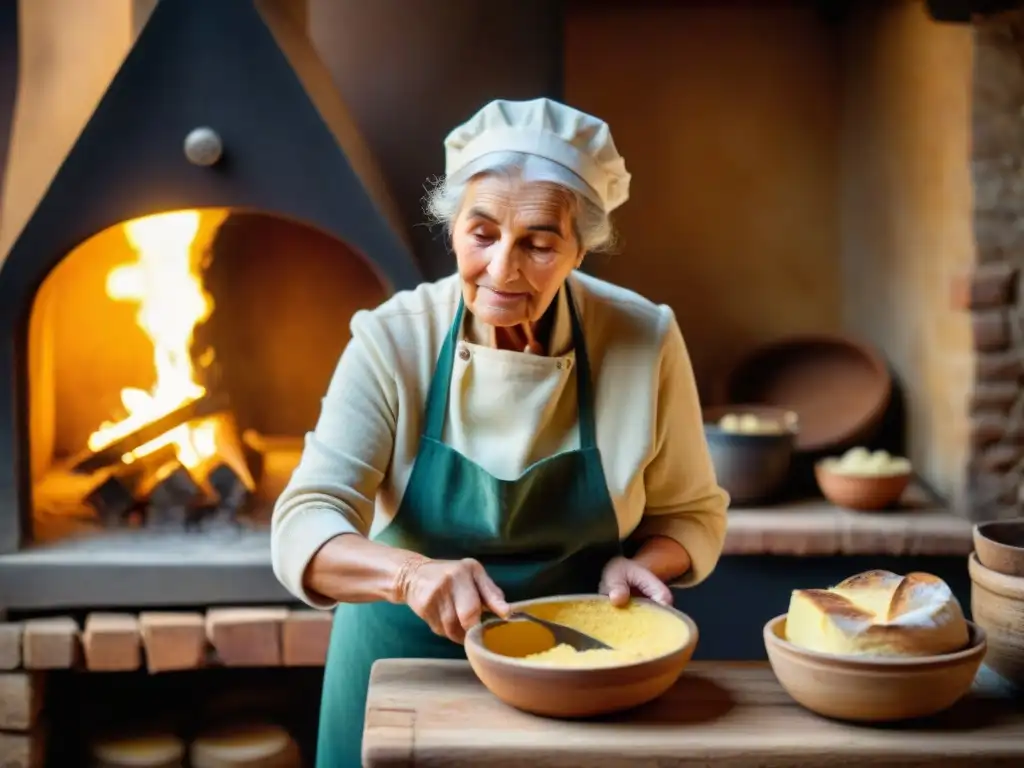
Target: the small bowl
pixel 571 692
pixel 750 467
pixel 997 604
pixel 1000 546
pixel 863 493
pixel 872 690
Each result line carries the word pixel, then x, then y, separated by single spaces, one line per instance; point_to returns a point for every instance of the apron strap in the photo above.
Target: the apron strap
pixel 441 381
pixel 584 383
pixel 440 384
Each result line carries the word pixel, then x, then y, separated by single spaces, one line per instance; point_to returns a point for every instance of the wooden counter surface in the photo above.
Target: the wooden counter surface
pixel 730 715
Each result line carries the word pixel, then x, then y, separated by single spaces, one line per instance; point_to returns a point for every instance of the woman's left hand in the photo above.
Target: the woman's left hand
pixel 623 577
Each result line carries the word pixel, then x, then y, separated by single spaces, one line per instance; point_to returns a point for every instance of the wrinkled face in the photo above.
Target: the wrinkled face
pixel 515 245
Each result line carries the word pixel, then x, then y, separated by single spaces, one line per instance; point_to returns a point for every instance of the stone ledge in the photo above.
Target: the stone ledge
pixel 118 569
pixel 814 527
pixel 129 569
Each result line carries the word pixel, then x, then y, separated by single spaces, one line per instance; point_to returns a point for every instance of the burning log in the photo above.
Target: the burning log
pixel 200 478
pixel 173 498
pixel 117 496
pixel 275 458
pixel 233 495
pixel 113 500
pixel 176 489
pixel 232 498
pixel 203 407
pixel 231 489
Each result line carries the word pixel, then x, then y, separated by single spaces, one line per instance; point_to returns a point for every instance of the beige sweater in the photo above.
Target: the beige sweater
pixel 506 411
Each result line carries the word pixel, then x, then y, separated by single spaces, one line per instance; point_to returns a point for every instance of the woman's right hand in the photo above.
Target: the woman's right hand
pixel 450 595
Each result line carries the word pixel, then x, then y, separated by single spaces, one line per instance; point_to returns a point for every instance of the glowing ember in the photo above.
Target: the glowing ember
pixel 165 283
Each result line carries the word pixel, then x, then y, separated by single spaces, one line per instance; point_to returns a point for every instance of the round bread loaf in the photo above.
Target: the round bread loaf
pixel 878 613
pixel 245 746
pixel 161 750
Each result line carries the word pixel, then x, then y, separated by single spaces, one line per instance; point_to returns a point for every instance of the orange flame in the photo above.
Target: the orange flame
pixel 166 285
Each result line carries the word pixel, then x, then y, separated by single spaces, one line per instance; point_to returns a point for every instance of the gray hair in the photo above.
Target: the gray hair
pixel 591 224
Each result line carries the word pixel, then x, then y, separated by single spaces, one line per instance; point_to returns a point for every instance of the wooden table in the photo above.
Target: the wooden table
pixel 732 715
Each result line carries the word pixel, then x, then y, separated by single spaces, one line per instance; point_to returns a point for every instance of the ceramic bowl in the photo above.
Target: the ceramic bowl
pixel 569 692
pixel 752 468
pixel 863 493
pixel 997 604
pixel 838 387
pixel 1000 546
pixel 872 689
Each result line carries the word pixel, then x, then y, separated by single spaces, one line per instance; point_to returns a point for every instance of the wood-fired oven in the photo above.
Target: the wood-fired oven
pixel 169 300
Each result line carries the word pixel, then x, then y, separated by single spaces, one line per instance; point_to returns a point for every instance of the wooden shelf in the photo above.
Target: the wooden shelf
pixel 814 527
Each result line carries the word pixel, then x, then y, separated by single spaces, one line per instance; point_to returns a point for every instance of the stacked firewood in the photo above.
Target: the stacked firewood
pixel 128 483
pixel 157 641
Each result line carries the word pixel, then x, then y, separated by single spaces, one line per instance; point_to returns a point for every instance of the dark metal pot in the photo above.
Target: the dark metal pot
pixel 753 468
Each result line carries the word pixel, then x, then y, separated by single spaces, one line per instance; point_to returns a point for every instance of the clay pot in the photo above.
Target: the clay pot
pixel 997 604
pixel 752 468
pixel 572 692
pixel 838 388
pixel 872 690
pixel 1000 546
pixel 860 492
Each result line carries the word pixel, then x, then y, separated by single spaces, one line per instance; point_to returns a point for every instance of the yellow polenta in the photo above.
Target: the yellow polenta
pixel 636 632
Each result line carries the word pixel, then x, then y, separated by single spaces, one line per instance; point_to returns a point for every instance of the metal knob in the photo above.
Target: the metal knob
pixel 203 146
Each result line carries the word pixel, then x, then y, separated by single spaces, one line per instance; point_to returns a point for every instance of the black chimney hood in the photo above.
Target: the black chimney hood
pixel 268 132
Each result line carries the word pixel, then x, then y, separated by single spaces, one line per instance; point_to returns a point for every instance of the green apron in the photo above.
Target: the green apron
pixel 549 532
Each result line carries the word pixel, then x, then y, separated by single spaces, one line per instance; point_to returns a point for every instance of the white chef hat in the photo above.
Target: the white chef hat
pixel 543 128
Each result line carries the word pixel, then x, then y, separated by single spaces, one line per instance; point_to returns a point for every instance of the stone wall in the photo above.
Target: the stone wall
pixel 906 223
pixel 990 292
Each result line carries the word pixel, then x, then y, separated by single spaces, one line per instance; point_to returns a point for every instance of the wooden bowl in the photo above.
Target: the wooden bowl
pixel 839 389
pixel 997 604
pixel 750 467
pixel 570 692
pixel 872 690
pixel 1000 546
pixel 860 492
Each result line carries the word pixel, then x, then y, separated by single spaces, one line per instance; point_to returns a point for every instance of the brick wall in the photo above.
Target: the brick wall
pixel 990 292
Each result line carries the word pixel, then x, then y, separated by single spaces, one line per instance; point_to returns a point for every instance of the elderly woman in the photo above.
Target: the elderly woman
pixel 515 430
